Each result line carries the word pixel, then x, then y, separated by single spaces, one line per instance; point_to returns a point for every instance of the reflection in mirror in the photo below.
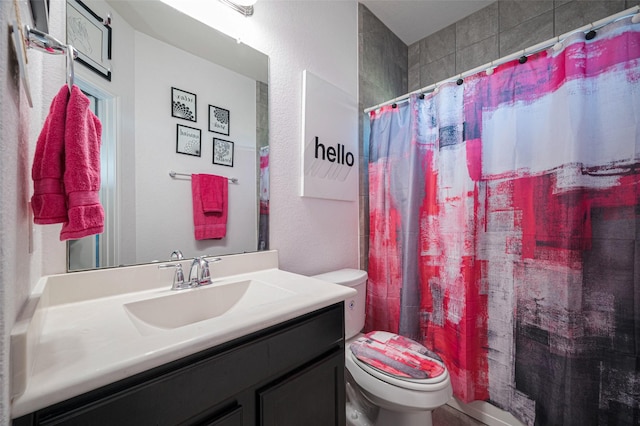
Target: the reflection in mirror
pixel 149 214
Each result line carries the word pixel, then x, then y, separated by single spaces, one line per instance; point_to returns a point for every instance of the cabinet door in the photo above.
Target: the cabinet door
pixel 311 397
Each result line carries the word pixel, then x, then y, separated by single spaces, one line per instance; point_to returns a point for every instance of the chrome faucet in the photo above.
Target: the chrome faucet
pixel 202 274
pixel 199 273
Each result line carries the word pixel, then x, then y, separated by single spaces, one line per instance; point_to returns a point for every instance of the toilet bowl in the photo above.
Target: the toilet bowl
pixel 402 378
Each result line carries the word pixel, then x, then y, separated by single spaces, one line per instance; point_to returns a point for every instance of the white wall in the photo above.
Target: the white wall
pixel 23 258
pixel 312 235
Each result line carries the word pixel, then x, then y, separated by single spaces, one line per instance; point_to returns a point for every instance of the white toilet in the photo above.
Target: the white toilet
pixel 401 399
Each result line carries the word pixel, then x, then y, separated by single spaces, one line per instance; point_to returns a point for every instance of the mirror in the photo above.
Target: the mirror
pixel 158 53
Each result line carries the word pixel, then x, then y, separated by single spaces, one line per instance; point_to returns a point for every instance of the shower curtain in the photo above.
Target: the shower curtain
pixel 504 222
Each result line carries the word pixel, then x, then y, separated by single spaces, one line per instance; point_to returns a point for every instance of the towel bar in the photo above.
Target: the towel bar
pixel 174 174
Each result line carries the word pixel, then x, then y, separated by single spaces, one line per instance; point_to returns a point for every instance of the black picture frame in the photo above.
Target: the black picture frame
pixel 219 120
pixel 188 140
pixel 223 152
pixel 184 104
pixel 90 36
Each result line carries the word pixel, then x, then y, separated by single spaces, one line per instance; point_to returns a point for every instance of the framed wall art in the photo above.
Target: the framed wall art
pixel 222 152
pixel 183 104
pixel 219 120
pixel 329 141
pixel 187 140
pixel 90 36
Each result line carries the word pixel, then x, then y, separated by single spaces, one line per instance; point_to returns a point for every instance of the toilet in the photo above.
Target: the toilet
pixel 402 379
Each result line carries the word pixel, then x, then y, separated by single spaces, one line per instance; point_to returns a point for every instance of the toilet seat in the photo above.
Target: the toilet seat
pixel 398 395
pixel 394 359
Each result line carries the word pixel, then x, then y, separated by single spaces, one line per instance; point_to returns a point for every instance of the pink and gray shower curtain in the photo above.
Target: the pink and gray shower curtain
pixel 504 223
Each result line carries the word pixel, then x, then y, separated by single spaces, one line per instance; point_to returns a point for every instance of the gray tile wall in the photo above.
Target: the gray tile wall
pixel 502 28
pixel 262 131
pixel 262 114
pixel 388 68
pixel 382 59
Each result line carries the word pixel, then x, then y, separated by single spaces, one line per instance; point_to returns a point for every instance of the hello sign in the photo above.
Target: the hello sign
pixel 329 141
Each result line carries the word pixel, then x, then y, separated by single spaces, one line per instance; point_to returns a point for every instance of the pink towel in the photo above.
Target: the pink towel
pixel 209 225
pixel 82 169
pixel 48 200
pixel 212 193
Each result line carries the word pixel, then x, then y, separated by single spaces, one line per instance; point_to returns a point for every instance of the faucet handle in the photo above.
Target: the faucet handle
pixel 178 277
pixel 205 273
pixel 176 255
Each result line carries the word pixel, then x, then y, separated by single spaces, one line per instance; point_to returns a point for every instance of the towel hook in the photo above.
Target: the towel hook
pixel 44 42
pixel 71 54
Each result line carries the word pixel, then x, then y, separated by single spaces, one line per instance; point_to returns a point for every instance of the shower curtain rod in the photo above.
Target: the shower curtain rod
pixel 529 50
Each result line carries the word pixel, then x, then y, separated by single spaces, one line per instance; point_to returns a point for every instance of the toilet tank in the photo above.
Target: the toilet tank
pixel 354 308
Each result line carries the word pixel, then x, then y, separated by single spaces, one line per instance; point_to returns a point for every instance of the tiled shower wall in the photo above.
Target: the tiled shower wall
pixel 262 140
pixel 382 75
pixel 502 28
pixel 498 30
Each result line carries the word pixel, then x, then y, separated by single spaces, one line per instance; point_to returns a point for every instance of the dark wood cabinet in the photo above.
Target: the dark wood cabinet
pixel 310 397
pixel 288 374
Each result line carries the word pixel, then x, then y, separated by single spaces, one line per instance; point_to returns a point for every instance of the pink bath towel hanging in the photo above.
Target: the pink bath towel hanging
pixel 48 201
pixel 82 169
pixel 210 224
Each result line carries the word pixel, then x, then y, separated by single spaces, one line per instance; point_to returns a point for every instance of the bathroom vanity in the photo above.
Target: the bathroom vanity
pixel 261 360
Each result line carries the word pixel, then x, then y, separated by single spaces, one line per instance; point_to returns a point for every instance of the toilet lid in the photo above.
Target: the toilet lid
pixel 397 356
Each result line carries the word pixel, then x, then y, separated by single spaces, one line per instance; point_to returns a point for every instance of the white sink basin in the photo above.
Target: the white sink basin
pixel 185 307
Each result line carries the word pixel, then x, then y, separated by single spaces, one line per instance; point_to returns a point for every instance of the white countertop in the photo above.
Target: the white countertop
pixel 75 334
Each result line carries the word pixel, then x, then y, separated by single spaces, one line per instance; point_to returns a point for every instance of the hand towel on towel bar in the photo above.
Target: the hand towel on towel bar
pixel 83 132
pixel 210 204
pixel 212 193
pixel 48 201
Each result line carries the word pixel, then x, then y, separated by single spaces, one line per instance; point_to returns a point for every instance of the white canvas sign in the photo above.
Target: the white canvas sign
pixel 329 141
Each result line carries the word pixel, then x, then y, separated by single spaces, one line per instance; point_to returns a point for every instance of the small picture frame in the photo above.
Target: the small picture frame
pixel 90 36
pixel 222 152
pixel 219 120
pixel 188 140
pixel 183 104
